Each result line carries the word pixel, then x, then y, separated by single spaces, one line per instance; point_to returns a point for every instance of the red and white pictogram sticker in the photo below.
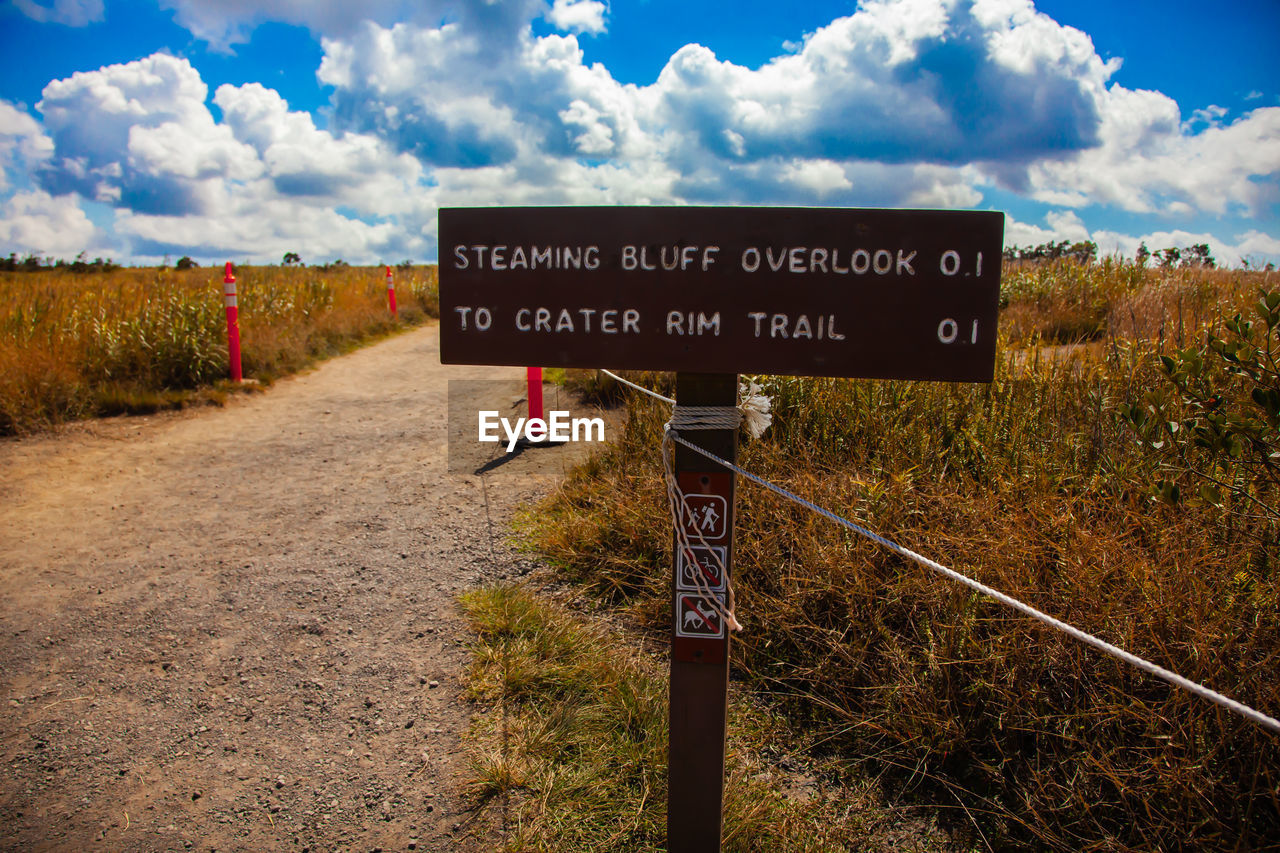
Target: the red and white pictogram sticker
pixel 707 563
pixel 697 618
pixel 705 515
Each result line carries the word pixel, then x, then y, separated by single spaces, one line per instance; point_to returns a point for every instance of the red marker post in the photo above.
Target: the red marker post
pixel 391 294
pixel 233 324
pixel 534 377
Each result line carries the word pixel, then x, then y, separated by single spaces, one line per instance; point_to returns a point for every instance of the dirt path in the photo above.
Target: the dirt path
pixel 235 629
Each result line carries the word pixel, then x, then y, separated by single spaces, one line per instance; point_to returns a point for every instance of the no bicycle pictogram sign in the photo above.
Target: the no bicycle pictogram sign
pixel 708 562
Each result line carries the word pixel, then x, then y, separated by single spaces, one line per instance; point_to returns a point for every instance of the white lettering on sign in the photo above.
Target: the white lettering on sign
pixel 681 323
pixel 559 427
pixel 610 321
pixel 797 260
pixel 823 327
pixel 948 330
pixel 502 258
pixel 949 263
pixel 482 317
pixel 803 259
pixel 626 321
pixel 669 258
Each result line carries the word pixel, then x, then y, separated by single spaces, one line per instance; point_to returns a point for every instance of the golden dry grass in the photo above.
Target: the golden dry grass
pixel 1037 485
pixel 79 344
pixel 573 749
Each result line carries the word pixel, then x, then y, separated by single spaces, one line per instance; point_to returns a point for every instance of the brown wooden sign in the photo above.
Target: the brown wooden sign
pixel 892 294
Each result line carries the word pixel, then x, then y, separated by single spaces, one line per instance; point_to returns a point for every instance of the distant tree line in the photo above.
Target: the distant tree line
pixel 292 259
pixel 1086 252
pixel 1195 255
pixel 1083 252
pixel 34 263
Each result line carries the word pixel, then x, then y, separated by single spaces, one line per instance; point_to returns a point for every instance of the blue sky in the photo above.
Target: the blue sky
pixel 218 129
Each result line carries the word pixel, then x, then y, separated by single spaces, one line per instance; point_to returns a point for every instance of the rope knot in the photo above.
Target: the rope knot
pixel 704 417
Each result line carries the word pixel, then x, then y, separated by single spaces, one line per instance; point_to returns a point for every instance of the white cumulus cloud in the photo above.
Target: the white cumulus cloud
pixel 262 181
pixel 924 90
pixel 24 146
pixel 225 23
pixel 36 222
pixel 1148 163
pixel 304 162
pixel 73 13
pixel 139 135
pixel 915 103
pixel 578 16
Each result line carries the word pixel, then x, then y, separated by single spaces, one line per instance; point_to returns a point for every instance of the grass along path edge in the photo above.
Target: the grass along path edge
pixel 571 746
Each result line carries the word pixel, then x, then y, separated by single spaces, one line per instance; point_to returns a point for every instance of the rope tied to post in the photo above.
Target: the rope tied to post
pixel 704 417
pixel 671 437
pixel 698 418
pixel 753 414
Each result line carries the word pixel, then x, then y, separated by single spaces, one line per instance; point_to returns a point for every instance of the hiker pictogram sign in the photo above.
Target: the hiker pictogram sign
pixel 696 617
pixel 705 515
pixel 706 562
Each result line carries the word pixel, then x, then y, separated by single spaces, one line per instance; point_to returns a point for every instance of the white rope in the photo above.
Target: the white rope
pixel 1088 639
pixel 680 511
pixel 704 417
pixel 754 407
pixel 640 388
pixel 698 418
pixel 1102 645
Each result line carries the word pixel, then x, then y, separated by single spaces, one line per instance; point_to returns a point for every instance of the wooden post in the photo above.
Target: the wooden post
pixel 699 639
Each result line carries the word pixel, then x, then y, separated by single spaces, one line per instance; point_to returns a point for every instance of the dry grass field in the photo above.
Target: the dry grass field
pixel 78 344
pixel 1122 473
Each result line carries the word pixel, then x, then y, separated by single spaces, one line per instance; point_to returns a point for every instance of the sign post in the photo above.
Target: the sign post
pixel 699 637
pixel 712 293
